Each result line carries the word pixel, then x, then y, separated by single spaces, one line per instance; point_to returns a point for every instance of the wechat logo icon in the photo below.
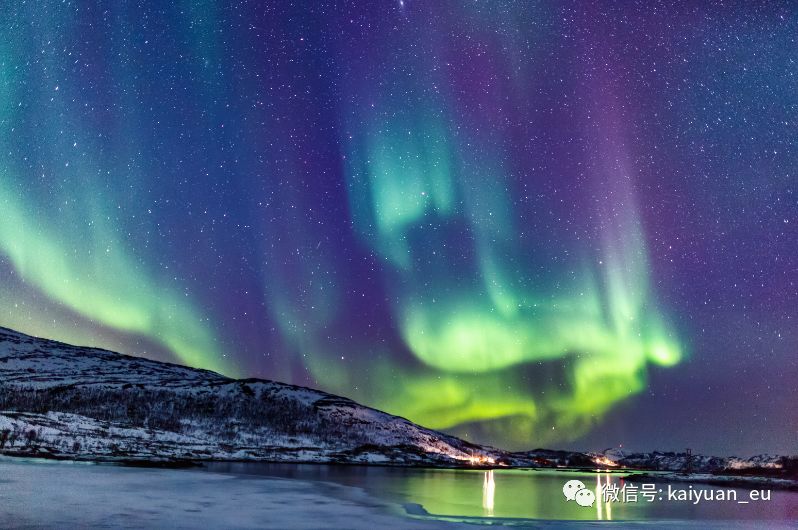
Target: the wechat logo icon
pixel 575 490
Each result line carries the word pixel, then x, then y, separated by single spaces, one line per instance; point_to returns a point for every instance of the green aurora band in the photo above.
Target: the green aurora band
pixel 99 280
pixel 470 339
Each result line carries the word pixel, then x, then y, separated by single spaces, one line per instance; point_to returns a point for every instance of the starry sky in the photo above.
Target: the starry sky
pixel 564 224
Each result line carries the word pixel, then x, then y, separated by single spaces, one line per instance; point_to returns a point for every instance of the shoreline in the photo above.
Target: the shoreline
pixel 635 475
pixel 188 463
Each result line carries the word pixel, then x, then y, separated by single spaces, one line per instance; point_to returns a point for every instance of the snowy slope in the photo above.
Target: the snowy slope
pixel 64 401
pixel 42 363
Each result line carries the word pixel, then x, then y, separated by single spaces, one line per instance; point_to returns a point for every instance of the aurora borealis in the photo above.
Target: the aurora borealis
pixel 526 223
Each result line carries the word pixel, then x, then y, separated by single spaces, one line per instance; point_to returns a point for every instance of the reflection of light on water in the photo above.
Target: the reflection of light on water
pixel 598 498
pixel 488 492
pixel 607 506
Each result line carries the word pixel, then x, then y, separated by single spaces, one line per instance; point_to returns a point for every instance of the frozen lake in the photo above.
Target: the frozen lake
pixel 535 494
pixel 37 494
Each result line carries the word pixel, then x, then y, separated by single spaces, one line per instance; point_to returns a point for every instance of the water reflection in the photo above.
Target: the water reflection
pixel 488 492
pixel 526 493
pixel 603 503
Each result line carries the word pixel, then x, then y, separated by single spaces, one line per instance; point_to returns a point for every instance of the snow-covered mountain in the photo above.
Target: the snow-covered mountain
pixel 65 401
pixel 761 465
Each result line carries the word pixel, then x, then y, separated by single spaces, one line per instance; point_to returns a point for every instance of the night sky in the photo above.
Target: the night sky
pixel 526 223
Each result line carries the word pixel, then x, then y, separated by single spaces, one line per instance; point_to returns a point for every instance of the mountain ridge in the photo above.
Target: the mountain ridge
pixel 131 408
pixel 63 401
